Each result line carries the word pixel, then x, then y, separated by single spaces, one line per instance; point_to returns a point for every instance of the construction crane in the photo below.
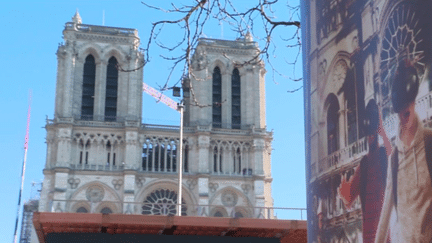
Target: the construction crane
pixel 26 140
pixel 161 97
pixel 180 108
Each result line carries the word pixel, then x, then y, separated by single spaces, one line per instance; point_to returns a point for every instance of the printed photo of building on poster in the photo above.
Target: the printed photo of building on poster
pixel 368 88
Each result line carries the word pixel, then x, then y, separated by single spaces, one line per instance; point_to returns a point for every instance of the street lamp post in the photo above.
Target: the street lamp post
pixel 180 164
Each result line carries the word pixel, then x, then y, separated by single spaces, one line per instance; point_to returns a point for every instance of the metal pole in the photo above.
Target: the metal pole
pixel 23 167
pixel 180 165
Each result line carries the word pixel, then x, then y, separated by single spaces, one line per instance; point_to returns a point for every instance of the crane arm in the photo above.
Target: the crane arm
pixel 160 97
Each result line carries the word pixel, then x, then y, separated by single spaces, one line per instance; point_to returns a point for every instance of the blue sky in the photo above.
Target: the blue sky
pixel 31 32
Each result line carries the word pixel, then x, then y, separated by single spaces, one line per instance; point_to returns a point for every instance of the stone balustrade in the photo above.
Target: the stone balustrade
pixel 343 156
pixel 106 30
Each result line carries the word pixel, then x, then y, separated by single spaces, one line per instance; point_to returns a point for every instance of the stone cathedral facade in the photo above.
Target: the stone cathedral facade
pixel 102 159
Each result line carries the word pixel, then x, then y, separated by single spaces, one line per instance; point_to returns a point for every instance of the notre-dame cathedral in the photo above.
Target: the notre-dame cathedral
pixel 102 159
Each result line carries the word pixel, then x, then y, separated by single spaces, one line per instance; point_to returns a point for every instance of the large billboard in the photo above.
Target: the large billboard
pixel 368 108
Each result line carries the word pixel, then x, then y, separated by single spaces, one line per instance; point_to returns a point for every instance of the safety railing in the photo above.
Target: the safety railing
pixel 201 210
pixel 343 156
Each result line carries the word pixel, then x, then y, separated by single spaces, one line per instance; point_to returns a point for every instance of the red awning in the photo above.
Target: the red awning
pixel 285 230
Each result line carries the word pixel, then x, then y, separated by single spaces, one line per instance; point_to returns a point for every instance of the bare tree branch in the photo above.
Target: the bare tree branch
pixel 258 19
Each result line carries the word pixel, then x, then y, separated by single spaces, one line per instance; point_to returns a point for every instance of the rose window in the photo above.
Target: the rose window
pixel 403 39
pixel 162 202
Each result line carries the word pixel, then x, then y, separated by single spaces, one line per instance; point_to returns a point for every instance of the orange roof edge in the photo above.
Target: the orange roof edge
pixel 45 223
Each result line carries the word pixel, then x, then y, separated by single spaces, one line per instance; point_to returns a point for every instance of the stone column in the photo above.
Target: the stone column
pixel 203 154
pixel 259 73
pixel 77 88
pixel 64 146
pixel 342 127
pixel 123 94
pixel 229 160
pixel 60 189
pixel 134 98
pixel 131 150
pixel 203 193
pixel 249 96
pixel 50 141
pixel 61 75
pixel 202 87
pixel 226 99
pixel 268 200
pixel 69 85
pixel 100 87
pixel 260 211
pixel 258 156
pixel 45 197
pixel 129 192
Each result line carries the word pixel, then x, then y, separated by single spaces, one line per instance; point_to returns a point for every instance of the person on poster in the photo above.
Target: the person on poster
pixel 408 190
pixel 369 178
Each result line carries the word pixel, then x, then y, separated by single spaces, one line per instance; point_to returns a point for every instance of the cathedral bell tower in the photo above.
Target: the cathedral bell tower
pixel 97 115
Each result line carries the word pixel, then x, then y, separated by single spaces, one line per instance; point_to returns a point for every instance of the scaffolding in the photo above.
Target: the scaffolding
pixel 30 207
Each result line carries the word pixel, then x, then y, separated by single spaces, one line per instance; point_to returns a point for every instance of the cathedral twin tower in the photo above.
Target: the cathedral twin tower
pixel 101 159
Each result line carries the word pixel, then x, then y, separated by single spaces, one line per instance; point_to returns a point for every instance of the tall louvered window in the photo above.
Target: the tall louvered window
pixel 111 90
pixel 333 125
pixel 217 98
pixel 235 100
pixel 88 88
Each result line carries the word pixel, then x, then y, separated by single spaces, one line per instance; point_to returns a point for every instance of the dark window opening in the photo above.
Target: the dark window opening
pixel 111 90
pixel 186 159
pixel 147 157
pixel 215 160
pixel 82 210
pixel 106 210
pixel 163 157
pixel 217 154
pixel 235 100
pixel 333 126
pixel 351 92
pixel 237 161
pixel 88 88
pixel 217 98
pixel 352 121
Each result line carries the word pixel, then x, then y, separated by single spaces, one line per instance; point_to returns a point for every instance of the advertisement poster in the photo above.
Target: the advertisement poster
pixel 368 107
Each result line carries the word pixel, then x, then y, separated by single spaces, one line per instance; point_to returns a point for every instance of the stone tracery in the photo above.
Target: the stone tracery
pixel 97 151
pixel 230 157
pixel 160 154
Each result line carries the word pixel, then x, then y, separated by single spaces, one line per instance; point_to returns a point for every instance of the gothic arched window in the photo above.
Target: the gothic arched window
pixel 235 100
pixel 217 159
pixel 162 202
pixel 83 151
pixel 111 90
pixel 352 90
pixel 88 88
pixel 237 161
pixel 217 98
pixel 332 124
pixel 161 155
pixel 111 155
pixel 106 210
pixel 82 210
